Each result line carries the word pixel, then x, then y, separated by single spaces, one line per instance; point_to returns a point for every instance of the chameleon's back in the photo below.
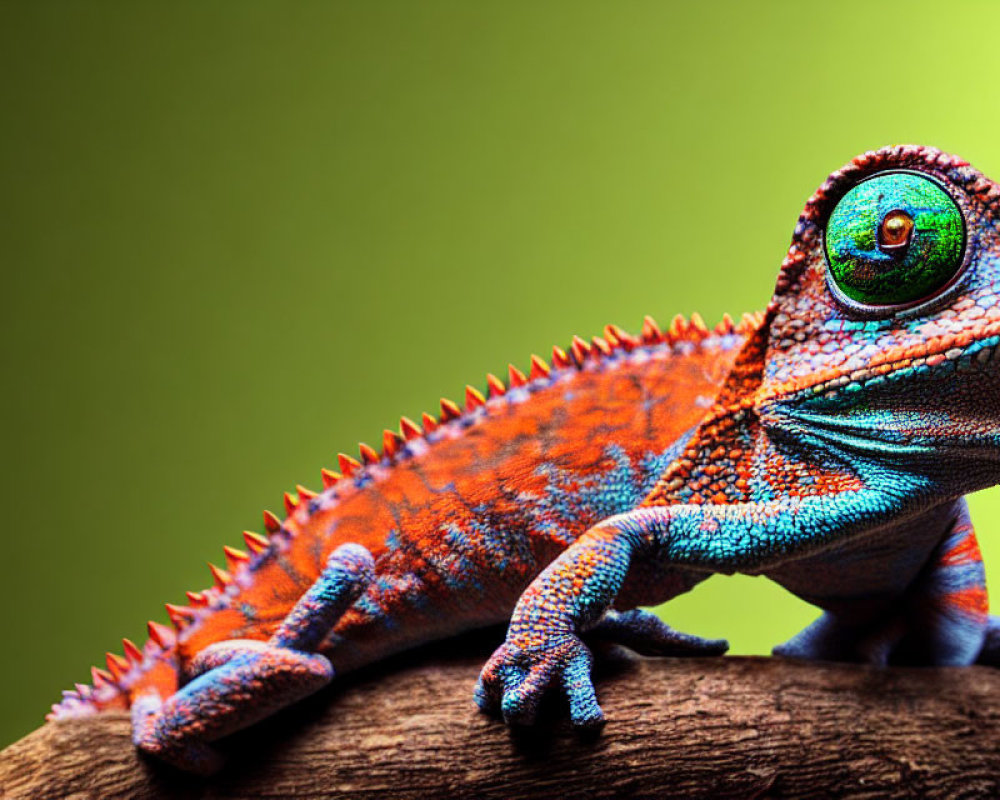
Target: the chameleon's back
pixel 461 514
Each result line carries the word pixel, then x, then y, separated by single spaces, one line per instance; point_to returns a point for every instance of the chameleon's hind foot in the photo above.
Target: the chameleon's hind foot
pixel 648 635
pixel 828 639
pixel 941 620
pixel 193 756
pixel 990 653
pixel 239 682
pixel 250 681
pixel 954 640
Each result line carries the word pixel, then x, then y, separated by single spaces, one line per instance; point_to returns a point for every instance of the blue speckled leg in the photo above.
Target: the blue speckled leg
pixel 543 649
pixel 569 601
pixel 239 682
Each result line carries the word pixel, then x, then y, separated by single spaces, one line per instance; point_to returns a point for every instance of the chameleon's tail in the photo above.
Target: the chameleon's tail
pixel 152 667
pixel 156 665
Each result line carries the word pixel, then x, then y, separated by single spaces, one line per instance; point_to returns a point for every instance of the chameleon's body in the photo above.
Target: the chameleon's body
pixel 822 443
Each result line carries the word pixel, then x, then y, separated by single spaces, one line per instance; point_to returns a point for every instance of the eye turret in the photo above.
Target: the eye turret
pixel 895 239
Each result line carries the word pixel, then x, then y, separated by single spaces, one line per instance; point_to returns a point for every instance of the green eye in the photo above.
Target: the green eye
pixel 894 239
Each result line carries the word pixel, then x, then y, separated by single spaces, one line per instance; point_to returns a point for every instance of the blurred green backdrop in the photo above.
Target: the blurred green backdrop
pixel 238 237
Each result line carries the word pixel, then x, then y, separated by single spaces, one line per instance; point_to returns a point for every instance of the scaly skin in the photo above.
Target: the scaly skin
pixel 823 444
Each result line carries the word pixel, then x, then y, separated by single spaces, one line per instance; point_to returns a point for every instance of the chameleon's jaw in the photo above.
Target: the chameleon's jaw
pixel 935 413
pixel 978 357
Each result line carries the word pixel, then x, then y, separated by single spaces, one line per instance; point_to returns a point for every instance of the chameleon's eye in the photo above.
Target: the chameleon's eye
pixel 894 239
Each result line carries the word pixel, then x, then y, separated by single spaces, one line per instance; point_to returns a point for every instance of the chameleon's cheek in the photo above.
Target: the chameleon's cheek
pixel 896 239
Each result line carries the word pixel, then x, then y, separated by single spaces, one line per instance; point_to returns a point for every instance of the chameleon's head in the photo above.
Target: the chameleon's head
pixel 883 337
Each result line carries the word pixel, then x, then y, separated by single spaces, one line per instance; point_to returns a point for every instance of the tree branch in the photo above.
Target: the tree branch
pixel 719 728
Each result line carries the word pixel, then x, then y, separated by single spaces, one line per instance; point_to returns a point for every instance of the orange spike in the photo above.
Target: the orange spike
pixel 517 378
pixel 497 389
pixel 304 493
pixel 449 410
pixel 559 357
pixel 257 543
pixel 580 350
pixel 117 665
pixel 291 501
pixel 409 429
pixel 697 324
pixel 132 653
pixel 391 442
pixel 539 369
pixel 651 333
pixel 197 598
pixel 161 634
pixel 625 339
pixel 430 424
pixel 100 677
pixel 725 326
pixel 678 327
pixel 473 398
pixel 222 578
pixel 368 454
pixel 271 522
pixel 179 615
pixel 234 557
pixel 601 346
pixel 347 464
pixel 329 477
pixel 747 323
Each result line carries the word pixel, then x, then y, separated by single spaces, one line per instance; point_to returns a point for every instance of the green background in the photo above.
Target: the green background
pixel 239 237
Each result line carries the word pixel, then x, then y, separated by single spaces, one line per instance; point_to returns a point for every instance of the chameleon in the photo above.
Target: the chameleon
pixel 826 442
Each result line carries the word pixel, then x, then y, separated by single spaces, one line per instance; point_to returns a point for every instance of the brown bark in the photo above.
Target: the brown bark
pixel 712 728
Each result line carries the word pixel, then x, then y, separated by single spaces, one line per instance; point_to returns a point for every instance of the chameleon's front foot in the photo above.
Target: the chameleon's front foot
pixel 516 677
pixel 239 682
pixel 574 594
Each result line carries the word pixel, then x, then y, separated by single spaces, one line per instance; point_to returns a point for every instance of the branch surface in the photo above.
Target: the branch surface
pixel 700 728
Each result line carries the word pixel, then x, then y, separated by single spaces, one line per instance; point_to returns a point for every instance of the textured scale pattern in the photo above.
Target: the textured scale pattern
pixel 823 443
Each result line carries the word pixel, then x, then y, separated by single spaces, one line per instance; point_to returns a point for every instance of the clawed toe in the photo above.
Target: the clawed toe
pixel 515 681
